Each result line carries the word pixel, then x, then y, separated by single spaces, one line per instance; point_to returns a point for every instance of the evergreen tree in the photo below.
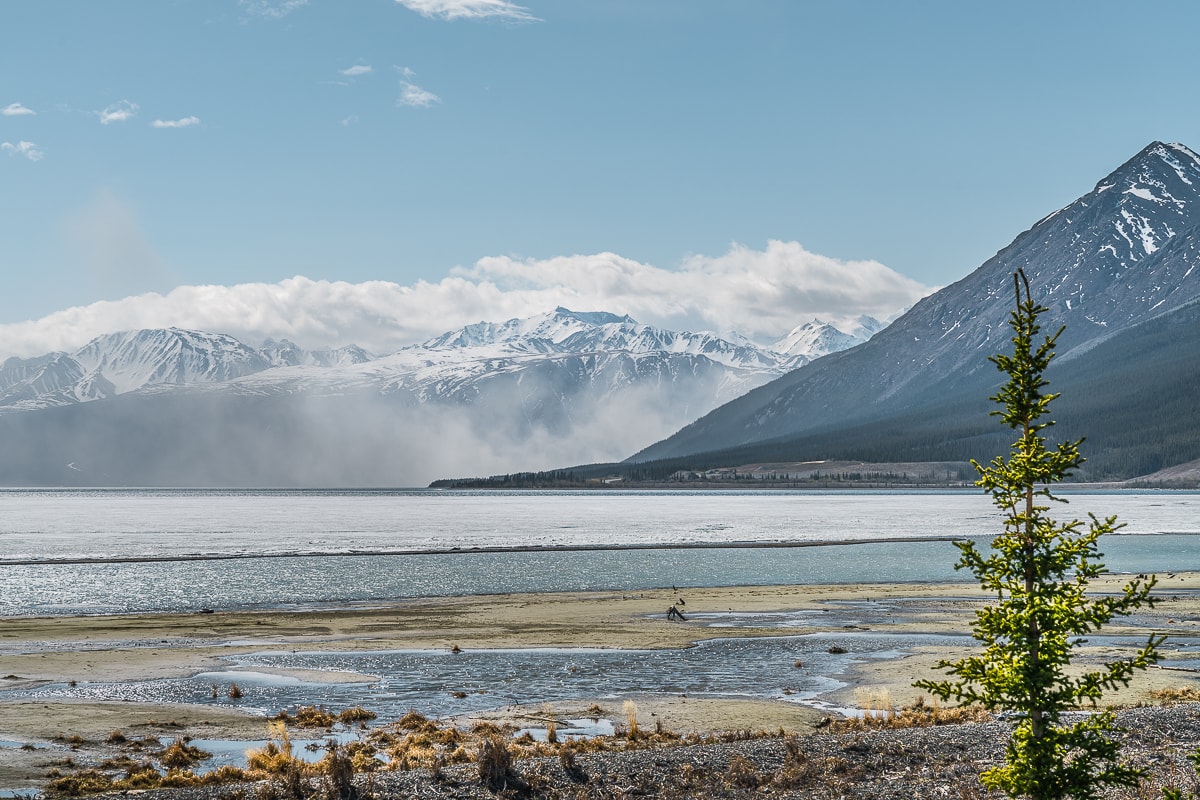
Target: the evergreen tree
pixel 1039 570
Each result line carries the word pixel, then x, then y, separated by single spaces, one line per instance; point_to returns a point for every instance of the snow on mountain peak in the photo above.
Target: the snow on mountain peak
pixel 1131 216
pixel 592 317
pixel 132 359
pixel 159 359
pixel 818 338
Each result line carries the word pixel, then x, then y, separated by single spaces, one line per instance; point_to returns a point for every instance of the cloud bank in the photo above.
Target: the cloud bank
pixel 761 294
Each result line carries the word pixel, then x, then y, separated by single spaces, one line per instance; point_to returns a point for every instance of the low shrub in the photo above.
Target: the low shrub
pixel 495 763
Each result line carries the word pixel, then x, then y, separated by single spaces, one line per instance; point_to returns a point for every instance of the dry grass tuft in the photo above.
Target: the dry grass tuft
pixel 355 714
pixel 485 727
pixel 179 755
pixel 308 717
pixel 414 720
pixel 1182 694
pixel 879 713
pixel 495 762
pixel 630 710
pixel 551 724
pixel 742 774
pixel 274 758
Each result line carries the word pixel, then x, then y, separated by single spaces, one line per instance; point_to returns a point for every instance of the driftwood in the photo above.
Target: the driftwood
pixel 675 613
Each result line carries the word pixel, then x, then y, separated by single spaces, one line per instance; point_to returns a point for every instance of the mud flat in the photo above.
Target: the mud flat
pixel 48 650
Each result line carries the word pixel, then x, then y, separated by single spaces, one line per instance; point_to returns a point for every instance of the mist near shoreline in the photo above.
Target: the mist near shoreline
pixel 217 437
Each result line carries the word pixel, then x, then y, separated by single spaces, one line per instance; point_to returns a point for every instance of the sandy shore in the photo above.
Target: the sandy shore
pixel 34 651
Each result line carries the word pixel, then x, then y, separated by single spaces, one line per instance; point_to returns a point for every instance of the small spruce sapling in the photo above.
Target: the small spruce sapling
pixel 1039 570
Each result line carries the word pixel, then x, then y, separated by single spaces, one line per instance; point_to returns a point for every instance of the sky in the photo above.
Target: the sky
pixel 380 171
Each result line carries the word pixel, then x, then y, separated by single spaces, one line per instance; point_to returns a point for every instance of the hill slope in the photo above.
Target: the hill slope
pixel 1116 267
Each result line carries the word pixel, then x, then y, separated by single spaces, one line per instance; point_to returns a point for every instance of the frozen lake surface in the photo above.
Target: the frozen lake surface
pixel 107 551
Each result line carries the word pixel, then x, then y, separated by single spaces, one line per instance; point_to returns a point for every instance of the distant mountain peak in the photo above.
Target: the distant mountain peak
pixel 1121 251
pixel 818 338
pixel 1150 174
pixel 594 317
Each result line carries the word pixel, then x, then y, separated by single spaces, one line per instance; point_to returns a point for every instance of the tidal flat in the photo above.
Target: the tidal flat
pixel 762 658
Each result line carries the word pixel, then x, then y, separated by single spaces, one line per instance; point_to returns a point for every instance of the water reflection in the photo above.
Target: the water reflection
pixel 441 683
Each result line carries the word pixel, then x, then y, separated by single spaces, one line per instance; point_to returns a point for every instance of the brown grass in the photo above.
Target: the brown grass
pixel 307 717
pixel 1174 696
pixel 742 774
pixel 879 713
pixel 495 762
pixel 355 714
pixel 275 757
pixel 630 710
pixel 179 754
pixel 412 742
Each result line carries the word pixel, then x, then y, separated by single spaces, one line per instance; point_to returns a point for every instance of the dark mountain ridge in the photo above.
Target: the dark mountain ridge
pixel 1117 267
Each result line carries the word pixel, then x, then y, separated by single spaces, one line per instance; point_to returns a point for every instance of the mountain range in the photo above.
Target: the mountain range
pixel 171 406
pixel 1118 268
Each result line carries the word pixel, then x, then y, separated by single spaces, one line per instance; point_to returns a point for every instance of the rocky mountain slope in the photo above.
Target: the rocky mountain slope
pixel 1110 266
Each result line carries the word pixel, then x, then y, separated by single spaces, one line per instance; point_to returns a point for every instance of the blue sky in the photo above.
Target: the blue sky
pixel 277 168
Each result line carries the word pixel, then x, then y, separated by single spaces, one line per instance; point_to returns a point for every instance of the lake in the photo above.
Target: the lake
pixel 120 550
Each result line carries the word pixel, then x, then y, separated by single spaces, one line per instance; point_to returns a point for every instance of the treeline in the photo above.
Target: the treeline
pixel 555 479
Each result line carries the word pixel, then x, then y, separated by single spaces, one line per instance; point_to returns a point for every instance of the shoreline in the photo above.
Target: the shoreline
pixel 745 544
pixel 40 651
pixel 516 548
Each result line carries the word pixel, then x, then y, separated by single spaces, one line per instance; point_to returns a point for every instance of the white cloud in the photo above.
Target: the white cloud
pixel 271 9
pixel 186 122
pixel 350 120
pixel 356 70
pixel 412 95
pixel 16 110
pixel 27 149
pixel 469 9
pixel 759 293
pixel 118 112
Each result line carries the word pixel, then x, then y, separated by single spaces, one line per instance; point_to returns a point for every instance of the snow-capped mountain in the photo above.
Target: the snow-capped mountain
pixel 817 338
pixel 566 331
pixel 133 359
pixel 123 362
pixel 283 353
pixel 610 350
pixel 1121 257
pixel 559 377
